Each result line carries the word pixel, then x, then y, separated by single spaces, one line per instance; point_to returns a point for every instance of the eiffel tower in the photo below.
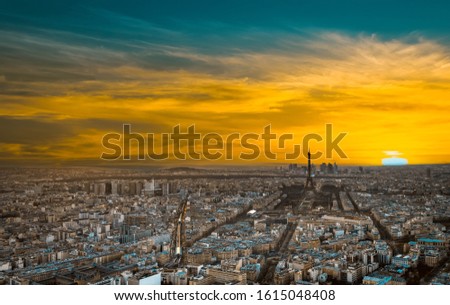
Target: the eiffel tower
pixel 308 195
pixel 309 180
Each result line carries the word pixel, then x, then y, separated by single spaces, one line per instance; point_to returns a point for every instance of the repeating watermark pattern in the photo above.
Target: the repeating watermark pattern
pixel 213 146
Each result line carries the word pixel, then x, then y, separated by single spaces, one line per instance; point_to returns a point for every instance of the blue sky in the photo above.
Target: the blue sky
pixel 107 18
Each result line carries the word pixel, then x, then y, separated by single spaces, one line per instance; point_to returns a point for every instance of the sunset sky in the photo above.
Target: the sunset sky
pixel 71 72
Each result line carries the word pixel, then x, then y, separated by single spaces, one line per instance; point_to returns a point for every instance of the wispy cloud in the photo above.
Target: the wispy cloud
pixel 386 93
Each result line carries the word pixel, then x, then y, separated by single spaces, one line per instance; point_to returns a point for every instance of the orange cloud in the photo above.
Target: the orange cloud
pixel 387 94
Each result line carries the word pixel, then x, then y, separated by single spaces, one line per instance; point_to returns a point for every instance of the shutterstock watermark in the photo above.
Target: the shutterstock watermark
pixel 192 145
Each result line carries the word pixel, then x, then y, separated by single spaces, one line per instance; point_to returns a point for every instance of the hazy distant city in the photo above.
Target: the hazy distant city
pixel 190 226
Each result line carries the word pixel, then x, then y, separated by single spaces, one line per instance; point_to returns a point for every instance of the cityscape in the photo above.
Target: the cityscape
pixel 292 224
pixel 192 143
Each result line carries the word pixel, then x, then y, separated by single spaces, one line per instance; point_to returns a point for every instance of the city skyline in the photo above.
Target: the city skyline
pixel 340 226
pixel 71 73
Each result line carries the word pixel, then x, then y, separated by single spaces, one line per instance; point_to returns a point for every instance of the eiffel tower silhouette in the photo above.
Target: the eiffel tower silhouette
pixel 309 180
